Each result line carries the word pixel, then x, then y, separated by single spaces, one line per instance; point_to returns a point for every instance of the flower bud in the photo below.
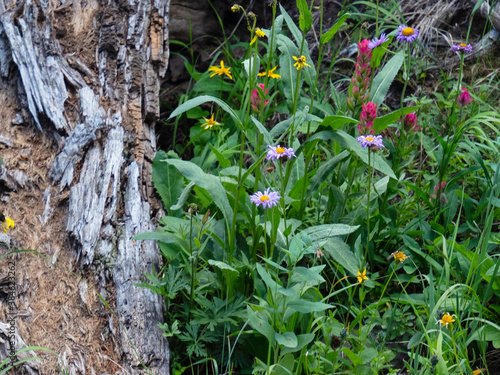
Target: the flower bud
pixel 464 98
pixel 410 122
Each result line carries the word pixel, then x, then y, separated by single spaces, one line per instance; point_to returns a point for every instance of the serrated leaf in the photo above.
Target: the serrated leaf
pixel 305 16
pixel 326 37
pixel 342 254
pixel 377 162
pixel 383 80
pixel 168 183
pixel 208 182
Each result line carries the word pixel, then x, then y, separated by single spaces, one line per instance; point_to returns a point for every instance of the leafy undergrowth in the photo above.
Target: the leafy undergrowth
pixel 316 231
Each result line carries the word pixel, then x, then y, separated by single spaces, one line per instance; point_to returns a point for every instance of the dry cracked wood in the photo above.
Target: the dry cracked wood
pixel 89 74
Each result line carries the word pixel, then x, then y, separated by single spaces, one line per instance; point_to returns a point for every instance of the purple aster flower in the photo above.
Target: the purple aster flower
pixel 278 152
pixel 466 48
pixel 377 42
pixel 372 141
pixel 266 199
pixel 407 34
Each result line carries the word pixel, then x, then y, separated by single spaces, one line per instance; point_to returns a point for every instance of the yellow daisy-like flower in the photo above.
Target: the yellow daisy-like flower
pixel 270 73
pixel 362 277
pixel 446 319
pixel 220 71
pixel 7 223
pixel 258 33
pixel 209 123
pixel 399 256
pixel 300 62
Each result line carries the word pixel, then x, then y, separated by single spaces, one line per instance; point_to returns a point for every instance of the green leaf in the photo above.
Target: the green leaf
pixel 168 183
pixel 326 37
pixel 415 340
pixel 342 254
pixel 324 171
pixel 287 339
pixel 377 162
pixel 165 237
pixel 336 121
pixel 259 322
pixel 285 365
pixel 355 359
pixel 208 182
pixel 223 161
pixel 381 123
pixel 324 231
pixel 199 100
pixel 262 130
pixel 305 16
pixel 221 265
pixel 267 278
pixel 302 340
pixel 307 275
pixel 368 354
pixel 304 306
pixel 183 197
pixel 384 79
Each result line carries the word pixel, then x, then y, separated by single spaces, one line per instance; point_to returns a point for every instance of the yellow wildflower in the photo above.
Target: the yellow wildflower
pixel 209 123
pixel 236 7
pixel 260 33
pixel 399 256
pixel 270 73
pixel 7 223
pixel 362 277
pixel 446 319
pixel 300 62
pixel 220 71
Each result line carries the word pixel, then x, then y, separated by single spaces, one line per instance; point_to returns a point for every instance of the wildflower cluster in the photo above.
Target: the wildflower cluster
pixel 360 82
pixel 257 103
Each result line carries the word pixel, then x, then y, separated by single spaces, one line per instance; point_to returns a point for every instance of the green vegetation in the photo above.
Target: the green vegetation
pixel 321 232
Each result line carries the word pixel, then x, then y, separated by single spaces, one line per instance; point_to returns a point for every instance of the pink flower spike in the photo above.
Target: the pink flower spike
pixel 464 98
pixel 410 122
pixel 255 98
pixel 265 199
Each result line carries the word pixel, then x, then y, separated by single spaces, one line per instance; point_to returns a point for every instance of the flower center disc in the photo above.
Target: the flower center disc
pixel 280 150
pixel 264 198
pixel 407 31
pixel 463 45
pixel 370 139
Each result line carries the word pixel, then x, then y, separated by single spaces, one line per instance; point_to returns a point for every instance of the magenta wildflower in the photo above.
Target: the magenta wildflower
pixel 279 152
pixel 375 42
pixel 257 103
pixel 410 122
pixel 464 98
pixel 367 118
pixel 407 34
pixel 360 82
pixel 372 141
pixel 266 199
pixel 465 48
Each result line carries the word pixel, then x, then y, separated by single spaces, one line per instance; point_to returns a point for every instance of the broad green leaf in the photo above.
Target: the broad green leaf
pixel 207 84
pixel 168 183
pixel 368 354
pixel 383 122
pixel 223 161
pixel 285 365
pixel 262 130
pixel 377 162
pixel 305 16
pixel 326 37
pixel 287 339
pixel 208 182
pixel 259 322
pixel 355 359
pixel 199 100
pixel 302 340
pixel 383 80
pixel 324 231
pixel 415 340
pixel 308 275
pixel 305 306
pixel 336 121
pixel 342 254
pixel 287 70
pixel 221 265
pixel 165 237
pixel 267 278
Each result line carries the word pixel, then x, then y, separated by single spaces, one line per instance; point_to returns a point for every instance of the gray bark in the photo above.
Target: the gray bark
pixel 109 134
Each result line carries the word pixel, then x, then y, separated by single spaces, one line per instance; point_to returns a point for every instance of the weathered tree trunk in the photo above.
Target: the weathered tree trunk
pixel 86 73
